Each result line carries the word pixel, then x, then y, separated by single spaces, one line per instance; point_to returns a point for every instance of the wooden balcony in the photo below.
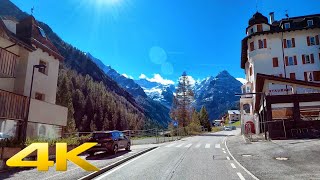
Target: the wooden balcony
pixel 8 63
pixel 12 106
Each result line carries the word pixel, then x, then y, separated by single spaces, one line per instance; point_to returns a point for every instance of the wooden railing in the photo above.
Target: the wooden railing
pixel 12 106
pixel 8 63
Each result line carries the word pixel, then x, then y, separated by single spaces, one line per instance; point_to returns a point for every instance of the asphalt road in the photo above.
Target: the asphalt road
pixel 198 157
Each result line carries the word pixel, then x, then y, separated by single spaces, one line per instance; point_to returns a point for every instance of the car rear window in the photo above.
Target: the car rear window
pixel 101 135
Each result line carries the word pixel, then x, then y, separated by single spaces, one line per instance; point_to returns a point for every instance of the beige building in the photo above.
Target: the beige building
pixel 24 44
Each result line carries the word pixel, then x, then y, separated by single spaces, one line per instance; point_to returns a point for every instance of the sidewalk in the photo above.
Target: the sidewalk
pixel 260 158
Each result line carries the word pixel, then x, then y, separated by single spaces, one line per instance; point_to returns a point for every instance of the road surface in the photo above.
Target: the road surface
pixel 199 157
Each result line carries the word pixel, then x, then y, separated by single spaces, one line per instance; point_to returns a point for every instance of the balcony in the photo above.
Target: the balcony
pixel 8 63
pixel 12 106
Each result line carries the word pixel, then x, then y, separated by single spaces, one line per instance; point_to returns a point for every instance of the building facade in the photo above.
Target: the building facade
pixel 287 49
pixel 24 44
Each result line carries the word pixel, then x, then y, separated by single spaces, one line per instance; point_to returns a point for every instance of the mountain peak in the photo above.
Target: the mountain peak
pixel 223 73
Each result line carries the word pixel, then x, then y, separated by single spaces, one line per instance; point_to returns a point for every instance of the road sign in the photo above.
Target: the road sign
pixel 175 123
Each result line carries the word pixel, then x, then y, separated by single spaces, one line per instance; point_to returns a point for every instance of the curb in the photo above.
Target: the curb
pixel 253 176
pixel 111 166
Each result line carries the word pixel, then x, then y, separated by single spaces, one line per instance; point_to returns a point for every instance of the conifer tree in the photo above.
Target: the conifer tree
pixel 204 118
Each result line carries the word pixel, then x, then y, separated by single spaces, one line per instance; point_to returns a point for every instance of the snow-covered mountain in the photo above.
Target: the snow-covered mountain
pixel 217 94
pixel 159 92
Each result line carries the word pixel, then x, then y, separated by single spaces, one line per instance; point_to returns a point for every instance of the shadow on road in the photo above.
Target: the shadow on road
pixel 106 155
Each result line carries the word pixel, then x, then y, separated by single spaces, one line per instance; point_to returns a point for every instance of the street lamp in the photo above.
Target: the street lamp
pixel 25 123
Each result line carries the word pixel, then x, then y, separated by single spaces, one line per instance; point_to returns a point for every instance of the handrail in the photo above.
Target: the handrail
pixel 12 106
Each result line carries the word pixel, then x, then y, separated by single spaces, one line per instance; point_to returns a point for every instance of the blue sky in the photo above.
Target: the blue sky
pixel 164 37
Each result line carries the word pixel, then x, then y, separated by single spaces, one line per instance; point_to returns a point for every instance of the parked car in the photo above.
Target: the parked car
pixel 227 128
pixel 4 136
pixel 109 141
pixel 233 127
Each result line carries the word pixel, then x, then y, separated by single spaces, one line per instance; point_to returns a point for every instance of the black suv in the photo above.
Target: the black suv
pixel 109 141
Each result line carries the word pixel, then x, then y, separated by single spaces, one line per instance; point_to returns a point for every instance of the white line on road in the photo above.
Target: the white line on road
pixel 224 152
pixel 180 145
pixel 222 149
pixel 233 166
pixel 170 145
pixel 228 158
pixel 198 145
pixel 217 146
pixel 240 176
pixel 189 145
pixel 207 146
pixel 119 167
pixel 120 156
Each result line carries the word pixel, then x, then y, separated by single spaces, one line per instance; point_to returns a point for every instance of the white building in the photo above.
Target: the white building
pixel 288 49
pixel 234 115
pixel 24 44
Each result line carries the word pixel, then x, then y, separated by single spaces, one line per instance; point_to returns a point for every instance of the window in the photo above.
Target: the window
pixel 43 34
pixel 275 62
pixel 251 46
pixel 262 44
pixel 310 23
pixel 288 43
pixel 250 71
pixel 290 61
pixel 308 76
pixel 286 25
pixel 251 31
pixel 316 75
pixel 313 40
pixel 259 28
pixel 43 70
pixel 39 96
pixel 308 59
pixel 248 89
pixel 292 75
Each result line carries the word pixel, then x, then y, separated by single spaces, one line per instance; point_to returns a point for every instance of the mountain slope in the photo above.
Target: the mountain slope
pixel 217 94
pixel 153 109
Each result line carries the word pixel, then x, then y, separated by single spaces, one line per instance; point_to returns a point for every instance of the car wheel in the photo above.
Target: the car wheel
pixel 115 149
pixel 128 147
pixel 91 153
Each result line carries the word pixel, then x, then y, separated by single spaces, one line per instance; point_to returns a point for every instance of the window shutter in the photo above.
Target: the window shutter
pixel 250 71
pixel 284 43
pixel 259 27
pixel 251 46
pixel 287 61
pixel 316 75
pixel 275 62
pixel 308 40
pixel 293 42
pixel 295 60
pixel 305 76
pixel 312 58
pixel 265 43
pixel 317 39
pixel 260 44
pixel 303 59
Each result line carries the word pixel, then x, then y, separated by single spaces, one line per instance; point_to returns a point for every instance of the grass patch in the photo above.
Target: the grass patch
pixel 216 129
pixel 237 124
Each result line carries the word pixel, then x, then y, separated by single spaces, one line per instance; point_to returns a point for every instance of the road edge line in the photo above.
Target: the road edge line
pixel 235 160
pixel 113 165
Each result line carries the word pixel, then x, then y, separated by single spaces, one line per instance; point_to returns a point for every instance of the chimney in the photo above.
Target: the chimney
pixel 271 15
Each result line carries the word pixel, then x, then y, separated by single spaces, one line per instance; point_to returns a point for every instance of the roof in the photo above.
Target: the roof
pixel 233 112
pixel 258 18
pixel 296 23
pixel 261 78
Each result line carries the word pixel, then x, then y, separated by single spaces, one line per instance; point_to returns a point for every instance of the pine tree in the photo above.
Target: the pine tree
pixel 195 125
pixel 182 102
pixel 64 98
pixel 204 118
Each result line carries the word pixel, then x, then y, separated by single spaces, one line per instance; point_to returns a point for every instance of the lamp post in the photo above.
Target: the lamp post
pixel 25 123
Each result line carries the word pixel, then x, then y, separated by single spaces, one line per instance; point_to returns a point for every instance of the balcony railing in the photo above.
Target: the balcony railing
pixel 12 106
pixel 8 63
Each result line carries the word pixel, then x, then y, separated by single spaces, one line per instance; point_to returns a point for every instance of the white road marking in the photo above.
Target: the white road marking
pixel 198 145
pixel 189 145
pixel 240 176
pixel 217 146
pixel 223 149
pixel 170 145
pixel 228 158
pixel 121 166
pixel 207 146
pixel 233 166
pixel 120 156
pixel 224 152
pixel 180 145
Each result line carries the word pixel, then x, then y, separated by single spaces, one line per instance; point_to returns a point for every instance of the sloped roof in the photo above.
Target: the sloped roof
pixel 233 112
